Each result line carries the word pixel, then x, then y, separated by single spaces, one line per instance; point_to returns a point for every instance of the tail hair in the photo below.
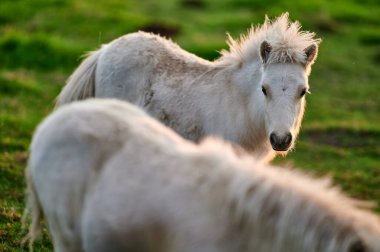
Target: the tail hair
pixel 81 84
pixel 32 210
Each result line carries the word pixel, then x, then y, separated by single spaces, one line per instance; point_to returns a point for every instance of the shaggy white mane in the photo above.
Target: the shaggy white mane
pixel 287 41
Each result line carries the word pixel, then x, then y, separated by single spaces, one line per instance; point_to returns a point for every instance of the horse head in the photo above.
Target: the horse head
pixel 284 85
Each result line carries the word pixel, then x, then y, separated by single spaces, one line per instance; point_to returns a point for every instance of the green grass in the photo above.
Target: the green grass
pixel 41 42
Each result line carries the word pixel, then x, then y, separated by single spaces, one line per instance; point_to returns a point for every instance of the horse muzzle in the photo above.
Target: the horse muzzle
pixel 280 143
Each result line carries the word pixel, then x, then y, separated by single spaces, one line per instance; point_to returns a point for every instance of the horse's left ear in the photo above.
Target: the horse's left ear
pixel 310 53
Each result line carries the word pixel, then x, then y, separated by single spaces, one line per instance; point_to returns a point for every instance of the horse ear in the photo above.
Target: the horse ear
pixel 310 53
pixel 265 49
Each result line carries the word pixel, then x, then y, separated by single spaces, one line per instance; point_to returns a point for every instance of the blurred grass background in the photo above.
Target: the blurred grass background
pixel 41 42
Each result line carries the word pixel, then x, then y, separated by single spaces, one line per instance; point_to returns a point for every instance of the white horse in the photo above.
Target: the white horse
pixel 107 177
pixel 253 95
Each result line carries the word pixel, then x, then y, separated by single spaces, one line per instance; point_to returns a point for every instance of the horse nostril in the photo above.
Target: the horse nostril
pixel 357 246
pixel 273 139
pixel 287 139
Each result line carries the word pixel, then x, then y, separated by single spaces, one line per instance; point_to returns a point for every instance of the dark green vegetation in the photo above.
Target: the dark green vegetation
pixel 41 42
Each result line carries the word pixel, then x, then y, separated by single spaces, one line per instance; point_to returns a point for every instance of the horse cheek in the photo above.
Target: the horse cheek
pixel 299 116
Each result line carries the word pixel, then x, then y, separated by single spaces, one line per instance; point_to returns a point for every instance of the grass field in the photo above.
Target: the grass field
pixel 41 42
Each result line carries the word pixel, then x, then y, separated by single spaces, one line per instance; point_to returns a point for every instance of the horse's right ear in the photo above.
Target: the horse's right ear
pixel 265 49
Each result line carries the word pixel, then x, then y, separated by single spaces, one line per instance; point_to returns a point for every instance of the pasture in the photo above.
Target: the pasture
pixel 41 43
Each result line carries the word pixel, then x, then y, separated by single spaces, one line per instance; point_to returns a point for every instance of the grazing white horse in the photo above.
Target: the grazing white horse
pixel 108 177
pixel 253 95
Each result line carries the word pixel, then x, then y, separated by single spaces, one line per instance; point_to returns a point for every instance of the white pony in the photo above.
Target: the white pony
pixel 253 95
pixel 107 177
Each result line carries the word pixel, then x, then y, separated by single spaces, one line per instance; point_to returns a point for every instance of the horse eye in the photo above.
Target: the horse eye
pixel 303 92
pixel 264 91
